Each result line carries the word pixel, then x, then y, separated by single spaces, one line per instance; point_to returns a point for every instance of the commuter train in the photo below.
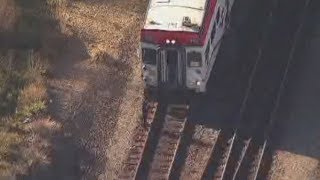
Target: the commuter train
pixel 180 40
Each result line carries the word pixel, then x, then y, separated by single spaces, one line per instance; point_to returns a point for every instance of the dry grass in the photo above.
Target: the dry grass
pixel 102 25
pixel 33 97
pixel 39 141
pixel 23 150
pixel 8 150
pixel 44 127
pixel 8 14
pixel 33 93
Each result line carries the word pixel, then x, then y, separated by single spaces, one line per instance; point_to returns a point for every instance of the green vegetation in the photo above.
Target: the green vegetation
pixel 21 85
pixel 23 93
pixel 10 83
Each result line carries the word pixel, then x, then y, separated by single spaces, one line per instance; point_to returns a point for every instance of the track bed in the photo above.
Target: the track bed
pixel 133 161
pixel 166 149
pixel 203 142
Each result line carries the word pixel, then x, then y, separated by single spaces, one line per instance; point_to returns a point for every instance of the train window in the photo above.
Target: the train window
pixel 213 32
pixel 222 19
pixel 207 52
pixel 218 16
pixel 194 59
pixel 227 18
pixel 149 56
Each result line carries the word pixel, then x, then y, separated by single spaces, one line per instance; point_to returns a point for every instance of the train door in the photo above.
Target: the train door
pixel 171 68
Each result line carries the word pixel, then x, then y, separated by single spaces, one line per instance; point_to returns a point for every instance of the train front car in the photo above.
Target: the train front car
pixel 179 42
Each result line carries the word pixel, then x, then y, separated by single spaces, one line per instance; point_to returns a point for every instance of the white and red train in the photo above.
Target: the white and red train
pixel 180 41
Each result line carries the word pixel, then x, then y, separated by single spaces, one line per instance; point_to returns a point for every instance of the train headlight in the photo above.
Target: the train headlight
pixel 172 41
pixel 198 83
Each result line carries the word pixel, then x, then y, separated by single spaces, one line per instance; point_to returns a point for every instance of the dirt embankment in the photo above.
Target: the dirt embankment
pixel 95 86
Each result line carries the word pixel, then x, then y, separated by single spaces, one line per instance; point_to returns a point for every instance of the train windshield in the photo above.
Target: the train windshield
pixel 149 56
pixel 194 59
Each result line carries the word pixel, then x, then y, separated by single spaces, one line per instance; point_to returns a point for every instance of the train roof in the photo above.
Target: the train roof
pixel 175 15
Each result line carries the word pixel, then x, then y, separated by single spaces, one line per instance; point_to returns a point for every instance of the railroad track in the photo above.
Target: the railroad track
pixel 216 166
pixel 133 161
pixel 198 154
pixel 233 147
pixel 237 153
pixel 236 157
pixel 250 162
pixel 250 148
pixel 167 147
pixel 261 101
pixel 225 151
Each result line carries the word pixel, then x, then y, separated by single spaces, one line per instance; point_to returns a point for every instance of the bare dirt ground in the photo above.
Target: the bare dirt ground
pixel 290 166
pixel 95 87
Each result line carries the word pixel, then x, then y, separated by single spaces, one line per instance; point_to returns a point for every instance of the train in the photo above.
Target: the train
pixel 179 42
